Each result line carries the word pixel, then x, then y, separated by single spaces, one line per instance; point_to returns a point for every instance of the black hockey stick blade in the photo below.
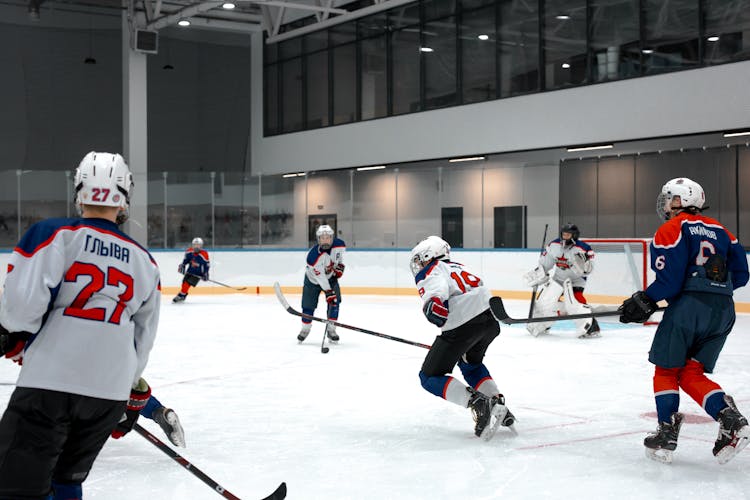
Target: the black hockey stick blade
pixel 279 494
pixel 498 309
pixel 291 310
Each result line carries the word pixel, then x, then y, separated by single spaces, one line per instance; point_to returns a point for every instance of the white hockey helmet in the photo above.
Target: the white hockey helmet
pixel 103 179
pixel 690 192
pixel 427 250
pixel 197 243
pixel 324 230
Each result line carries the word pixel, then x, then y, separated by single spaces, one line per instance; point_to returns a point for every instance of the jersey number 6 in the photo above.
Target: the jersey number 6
pixel 114 277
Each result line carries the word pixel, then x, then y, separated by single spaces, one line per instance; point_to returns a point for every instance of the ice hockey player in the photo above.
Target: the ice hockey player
pixel 698 264
pixel 195 268
pixel 456 301
pixel 562 271
pixel 81 307
pixel 325 266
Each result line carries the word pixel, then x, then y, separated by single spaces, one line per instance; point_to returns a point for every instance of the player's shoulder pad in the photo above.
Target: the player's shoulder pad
pixel 583 245
pixel 338 243
pixel 669 234
pixel 426 270
pixel 556 241
pixel 41 234
pixel 203 254
pixel 313 255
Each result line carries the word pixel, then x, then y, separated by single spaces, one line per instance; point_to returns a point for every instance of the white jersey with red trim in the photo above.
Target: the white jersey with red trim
pixel 559 257
pixel 320 263
pixel 451 282
pixel 90 295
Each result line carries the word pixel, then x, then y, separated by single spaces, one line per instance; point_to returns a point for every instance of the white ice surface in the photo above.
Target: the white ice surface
pixel 258 408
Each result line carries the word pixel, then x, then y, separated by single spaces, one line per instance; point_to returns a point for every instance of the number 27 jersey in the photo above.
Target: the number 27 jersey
pixel 465 292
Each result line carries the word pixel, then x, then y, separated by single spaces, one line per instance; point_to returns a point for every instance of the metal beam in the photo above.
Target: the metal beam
pixel 183 13
pixel 301 6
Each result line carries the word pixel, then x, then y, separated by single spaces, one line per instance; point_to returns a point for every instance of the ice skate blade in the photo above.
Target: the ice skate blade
pixel 498 415
pixel 737 445
pixel 663 456
pixel 593 335
pixel 177 437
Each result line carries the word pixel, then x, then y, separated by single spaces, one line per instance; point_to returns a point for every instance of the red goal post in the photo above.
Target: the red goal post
pixel 621 267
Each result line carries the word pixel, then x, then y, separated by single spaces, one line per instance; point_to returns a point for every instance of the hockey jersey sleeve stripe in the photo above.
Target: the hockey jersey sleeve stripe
pixel 669 235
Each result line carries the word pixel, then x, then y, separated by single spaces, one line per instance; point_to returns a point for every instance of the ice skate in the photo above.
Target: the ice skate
pixel 481 410
pixel 592 332
pixel 661 444
pixel 734 433
pixel 180 297
pixel 170 424
pixel 500 416
pixel 304 332
pixel 331 333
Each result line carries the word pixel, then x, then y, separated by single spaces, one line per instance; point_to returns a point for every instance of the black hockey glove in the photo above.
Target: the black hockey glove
pixel 12 344
pixel 331 297
pixel 139 396
pixel 637 309
pixel 338 270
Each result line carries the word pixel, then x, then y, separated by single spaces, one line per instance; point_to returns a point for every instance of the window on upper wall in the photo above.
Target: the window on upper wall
pixel 565 57
pixel 374 77
pixel 727 30
pixel 271 107
pixel 344 83
pixel 614 39
pixel 291 95
pixel 316 81
pixel 478 48
pixel 440 67
pixel 406 71
pixel 670 35
pixel 518 55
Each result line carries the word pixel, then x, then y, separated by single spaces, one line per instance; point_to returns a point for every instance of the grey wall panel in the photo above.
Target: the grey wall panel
pixel 616 201
pixel 578 195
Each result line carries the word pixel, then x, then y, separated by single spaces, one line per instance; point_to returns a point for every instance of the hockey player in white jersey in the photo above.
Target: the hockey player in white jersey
pixel 81 306
pixel 325 266
pixel 457 301
pixel 562 271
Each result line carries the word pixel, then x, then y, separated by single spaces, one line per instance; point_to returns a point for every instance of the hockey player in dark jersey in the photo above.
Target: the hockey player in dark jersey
pixel 81 306
pixel 698 264
pixel 194 266
pixel 456 301
pixel 324 267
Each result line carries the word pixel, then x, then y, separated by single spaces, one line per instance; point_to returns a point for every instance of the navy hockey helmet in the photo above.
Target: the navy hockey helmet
pixel 574 234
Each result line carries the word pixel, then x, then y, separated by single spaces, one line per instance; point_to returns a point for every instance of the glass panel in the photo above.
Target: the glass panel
pixel 9 234
pixel 519 48
pixel 328 194
pixel 727 27
pixel 317 90
pixel 343 33
pixel 462 187
pixel 671 35
pixel 374 78
pixel 440 63
pixel 250 211
pixel 344 84
pixel 271 108
pixel 418 204
pixel 435 9
pixel 475 4
pixel 228 195
pixel 478 47
pixel 41 196
pixel 404 17
pixel 155 210
pixel 291 100
pixel 374 213
pixel 278 208
pixel 615 39
pixel 188 208
pixel 405 78
pixel 270 52
pixel 564 43
pixel 290 48
pixel 317 40
pixel 374 25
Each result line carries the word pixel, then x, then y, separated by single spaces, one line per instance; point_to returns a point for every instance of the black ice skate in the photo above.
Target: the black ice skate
pixel 180 297
pixel 304 332
pixel 500 416
pixel 592 332
pixel 734 433
pixel 481 410
pixel 170 424
pixel 661 444
pixel 331 332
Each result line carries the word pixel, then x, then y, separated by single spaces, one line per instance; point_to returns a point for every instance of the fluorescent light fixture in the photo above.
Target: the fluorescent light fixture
pixel 562 17
pixel 376 167
pixel 565 65
pixel 713 38
pixel 426 49
pixel 736 133
pixel 590 148
pixel 648 51
pixel 468 158
pixel 184 22
pixel 483 37
pixel 228 6
pixel 299 174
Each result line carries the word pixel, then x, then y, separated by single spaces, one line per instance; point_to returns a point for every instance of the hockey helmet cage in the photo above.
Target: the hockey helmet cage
pixel 103 179
pixel 324 230
pixel 427 250
pixel 690 192
pixel 573 230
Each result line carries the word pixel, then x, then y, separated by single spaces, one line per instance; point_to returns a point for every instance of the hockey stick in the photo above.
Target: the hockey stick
pixel 498 309
pixel 291 310
pixel 278 494
pixel 536 287
pixel 238 288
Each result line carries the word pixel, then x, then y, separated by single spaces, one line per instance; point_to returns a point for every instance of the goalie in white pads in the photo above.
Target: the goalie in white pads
pixel 562 271
pixel 456 300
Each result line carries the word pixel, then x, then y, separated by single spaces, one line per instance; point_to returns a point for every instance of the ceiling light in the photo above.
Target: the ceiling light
pixel 648 51
pixel 228 6
pixel 376 167
pixel 736 133
pixel 483 37
pixel 426 49
pixel 184 22
pixel 713 38
pixel 565 65
pixel 590 148
pixel 468 158
pixel 562 17
pixel 298 174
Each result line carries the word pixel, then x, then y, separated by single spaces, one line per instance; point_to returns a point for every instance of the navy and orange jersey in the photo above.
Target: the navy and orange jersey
pixel 83 288
pixel 196 263
pixel 559 257
pixel 320 263
pixel 686 242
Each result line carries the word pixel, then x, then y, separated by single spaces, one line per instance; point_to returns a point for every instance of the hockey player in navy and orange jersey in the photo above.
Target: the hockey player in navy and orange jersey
pixel 563 269
pixel 195 268
pixel 698 264
pixel 81 307
pixel 325 266
pixel 457 301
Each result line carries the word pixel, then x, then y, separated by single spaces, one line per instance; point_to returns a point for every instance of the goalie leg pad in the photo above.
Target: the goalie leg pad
pixel 547 304
pixel 586 327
